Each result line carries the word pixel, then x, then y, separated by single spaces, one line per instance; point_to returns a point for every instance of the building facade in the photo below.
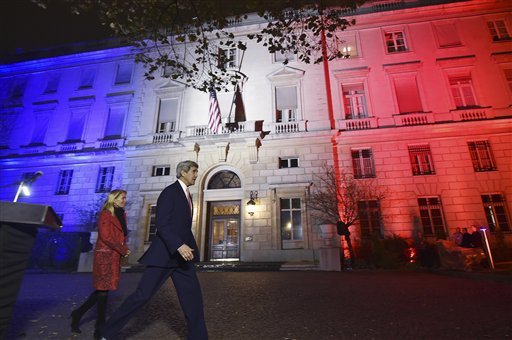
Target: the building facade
pixel 421 106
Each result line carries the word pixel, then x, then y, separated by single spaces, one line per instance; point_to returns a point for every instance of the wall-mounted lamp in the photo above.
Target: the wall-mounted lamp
pixel 251 205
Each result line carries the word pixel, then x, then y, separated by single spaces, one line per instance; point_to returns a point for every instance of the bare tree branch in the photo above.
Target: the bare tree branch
pixel 181 39
pixel 337 194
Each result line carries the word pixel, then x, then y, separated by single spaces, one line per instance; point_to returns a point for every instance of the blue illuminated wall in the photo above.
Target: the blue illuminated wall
pixel 65 117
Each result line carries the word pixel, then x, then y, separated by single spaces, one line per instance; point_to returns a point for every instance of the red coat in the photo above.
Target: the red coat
pixel 110 247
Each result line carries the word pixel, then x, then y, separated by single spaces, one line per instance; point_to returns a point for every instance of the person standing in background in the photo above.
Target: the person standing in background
pixel 466 238
pixel 476 237
pixel 110 248
pixel 457 237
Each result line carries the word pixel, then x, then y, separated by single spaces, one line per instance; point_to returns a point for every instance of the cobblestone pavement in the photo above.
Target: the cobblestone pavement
pixel 298 305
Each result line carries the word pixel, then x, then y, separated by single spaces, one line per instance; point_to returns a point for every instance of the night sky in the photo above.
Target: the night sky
pixel 24 27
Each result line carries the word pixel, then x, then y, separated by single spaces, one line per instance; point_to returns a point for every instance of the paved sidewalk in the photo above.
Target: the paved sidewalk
pixel 298 305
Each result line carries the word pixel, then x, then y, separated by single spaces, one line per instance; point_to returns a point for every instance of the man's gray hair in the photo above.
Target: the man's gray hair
pixel 185 166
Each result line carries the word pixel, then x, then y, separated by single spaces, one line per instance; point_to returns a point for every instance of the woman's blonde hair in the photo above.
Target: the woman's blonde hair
pixel 109 203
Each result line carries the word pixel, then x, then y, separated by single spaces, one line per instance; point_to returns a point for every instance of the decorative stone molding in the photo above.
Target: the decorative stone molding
pixel 253 146
pixel 467 60
pixel 222 149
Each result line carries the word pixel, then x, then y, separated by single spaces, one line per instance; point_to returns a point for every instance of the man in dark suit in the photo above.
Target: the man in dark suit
pixel 171 254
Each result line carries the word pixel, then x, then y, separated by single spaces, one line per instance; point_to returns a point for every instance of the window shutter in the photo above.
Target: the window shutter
pixel 447 35
pixel 40 127
pixel 124 74
pixel 115 121
pixel 408 95
pixel 87 78
pixel 76 125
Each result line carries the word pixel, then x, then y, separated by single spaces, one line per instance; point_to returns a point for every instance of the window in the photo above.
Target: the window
pixel 347 46
pixel 161 170
pixel 447 35
pixel 508 77
pixel 481 155
pixel 284 57
pixel 115 121
pixel 87 79
pixel 496 212
pixel 18 88
pixel 52 84
pixel 64 182
pixel 395 41
pixel 286 104
pixel 123 74
pixel 167 113
pixel 224 179
pixel 498 30
pixel 421 160
pixel 407 94
pixel 105 179
pixel 41 122
pixel 354 101
pixel 118 106
pixel 463 92
pixel 77 124
pixel 431 215
pixel 369 218
pixel 288 162
pixel 291 219
pixel 228 58
pixel 151 227
pixel 362 162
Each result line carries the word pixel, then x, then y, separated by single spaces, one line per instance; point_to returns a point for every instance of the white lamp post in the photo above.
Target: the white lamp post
pixel 491 261
pixel 22 188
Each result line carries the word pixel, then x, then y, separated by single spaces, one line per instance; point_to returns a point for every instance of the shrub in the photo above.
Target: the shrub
pixel 386 253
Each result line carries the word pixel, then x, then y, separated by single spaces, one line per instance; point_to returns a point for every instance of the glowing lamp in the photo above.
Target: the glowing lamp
pixel 25 189
pixel 251 205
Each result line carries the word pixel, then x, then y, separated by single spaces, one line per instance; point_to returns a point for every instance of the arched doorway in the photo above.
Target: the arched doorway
pixel 223 218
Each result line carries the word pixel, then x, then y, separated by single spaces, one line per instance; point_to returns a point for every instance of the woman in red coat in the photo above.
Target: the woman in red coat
pixel 110 247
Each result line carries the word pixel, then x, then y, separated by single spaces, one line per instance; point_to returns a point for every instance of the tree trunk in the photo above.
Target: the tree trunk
pixel 350 250
pixel 342 254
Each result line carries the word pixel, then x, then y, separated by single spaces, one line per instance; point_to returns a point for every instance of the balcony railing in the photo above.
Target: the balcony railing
pixel 472 114
pixel 166 137
pixel 409 119
pixel 32 149
pixel 358 124
pixel 202 130
pixel 67 147
pixel 288 127
pixel 110 143
pixel 228 128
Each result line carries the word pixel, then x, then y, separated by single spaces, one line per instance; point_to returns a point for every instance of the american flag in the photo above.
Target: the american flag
pixel 214 113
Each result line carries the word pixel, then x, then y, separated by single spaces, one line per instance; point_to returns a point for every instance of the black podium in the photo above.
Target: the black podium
pixel 19 223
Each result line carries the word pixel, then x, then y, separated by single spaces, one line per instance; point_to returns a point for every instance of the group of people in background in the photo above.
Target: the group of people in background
pixel 463 238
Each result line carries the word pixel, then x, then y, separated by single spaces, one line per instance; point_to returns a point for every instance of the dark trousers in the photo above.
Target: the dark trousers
pixel 188 291
pixel 99 297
